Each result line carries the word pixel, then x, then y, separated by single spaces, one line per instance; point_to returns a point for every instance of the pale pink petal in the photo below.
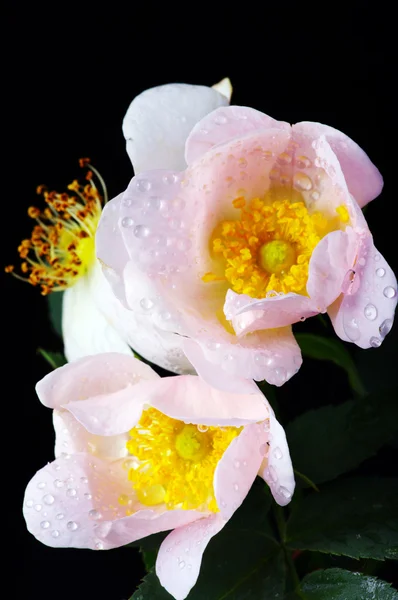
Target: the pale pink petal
pixel 365 314
pixel 180 555
pixel 91 376
pixel 186 398
pixel 249 314
pixel 238 468
pixel 363 178
pixel 276 468
pixel 71 438
pixel 225 124
pixel 332 258
pixel 273 355
pixel 158 122
pixel 73 502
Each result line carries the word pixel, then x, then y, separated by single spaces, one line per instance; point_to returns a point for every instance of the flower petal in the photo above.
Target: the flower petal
pixel 365 313
pixel 225 124
pixel 73 502
pixel 332 258
pixel 159 120
pixel 186 398
pixel 224 87
pixel 180 555
pixel 91 376
pixel 238 468
pixel 85 329
pixel 363 178
pixel 276 468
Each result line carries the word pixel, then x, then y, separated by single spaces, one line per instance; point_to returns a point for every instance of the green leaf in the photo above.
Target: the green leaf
pixel 323 348
pixel 338 584
pixel 55 311
pixel 332 440
pixel 355 517
pixel 242 562
pixel 149 558
pixel 54 359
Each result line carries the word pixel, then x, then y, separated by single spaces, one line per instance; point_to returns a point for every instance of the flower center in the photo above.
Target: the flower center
pixel 62 246
pixel 276 256
pixel 175 462
pixel 268 248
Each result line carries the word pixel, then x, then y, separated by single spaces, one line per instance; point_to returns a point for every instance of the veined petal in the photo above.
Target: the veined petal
pixel 159 120
pixel 178 574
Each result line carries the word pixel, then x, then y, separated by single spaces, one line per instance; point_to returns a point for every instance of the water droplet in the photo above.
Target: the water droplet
pixel 375 342
pixel 165 315
pixel 285 492
pixel 389 292
pixel 242 163
pixel 58 483
pixel 261 359
pixel 362 262
pixel 278 453
pixel 277 376
pixel 65 456
pixel 202 428
pixel 143 185
pixel 94 514
pixel 41 485
pixel 146 303
pixel 38 507
pixel 377 257
pixel 302 182
pixel 380 272
pixel 315 195
pixel 55 533
pixel 273 475
pixel 213 346
pixel 60 516
pixel 370 312
pixel 236 487
pixel 45 524
pixel 170 178
pixel 237 464
pixel 352 330
pixel 303 162
pixel 181 564
pixel 48 499
pixel 220 120
pixel 284 158
pixel 56 467
pixel 84 479
pixel 127 222
pixel 71 492
pixel 72 525
pixel 99 546
pixel 88 496
pixel 141 231
pixel 385 327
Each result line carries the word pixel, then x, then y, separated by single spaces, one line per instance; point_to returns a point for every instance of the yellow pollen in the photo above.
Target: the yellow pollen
pixel 176 461
pixel 61 248
pixel 277 256
pixel 267 249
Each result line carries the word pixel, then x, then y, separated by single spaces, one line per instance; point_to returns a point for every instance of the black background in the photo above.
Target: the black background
pixel 70 76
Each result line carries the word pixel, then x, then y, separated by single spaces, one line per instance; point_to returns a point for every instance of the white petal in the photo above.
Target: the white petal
pixel 224 87
pixel 159 120
pixel 85 328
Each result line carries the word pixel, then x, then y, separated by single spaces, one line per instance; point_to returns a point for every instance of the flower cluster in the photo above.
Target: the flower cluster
pixel 234 227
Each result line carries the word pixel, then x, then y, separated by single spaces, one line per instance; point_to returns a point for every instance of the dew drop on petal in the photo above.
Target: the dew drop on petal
pixel 55 533
pixel 87 496
pixel 385 327
pixel 202 428
pixel 237 464
pixel 141 231
pixel 146 303
pixel 29 503
pixel 99 546
pixel 380 272
pixel 84 479
pixel 72 525
pixel 143 185
pixel 352 330
pixel 302 182
pixel 285 492
pixel 94 514
pixel 45 524
pixel 127 222
pixel 236 487
pixel 58 483
pixel 278 453
pixel 389 292
pixel 181 564
pixel 48 499
pixel 38 507
pixel 370 312
pixel 375 342
pixel 71 493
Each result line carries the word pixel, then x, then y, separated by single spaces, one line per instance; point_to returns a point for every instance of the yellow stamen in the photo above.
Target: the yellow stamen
pixel 176 461
pixel 268 248
pixel 61 247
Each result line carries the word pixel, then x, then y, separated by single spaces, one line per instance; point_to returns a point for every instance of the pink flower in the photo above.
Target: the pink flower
pixel 137 454
pixel 263 229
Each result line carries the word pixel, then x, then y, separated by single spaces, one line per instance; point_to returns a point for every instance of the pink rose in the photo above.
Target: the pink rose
pixel 137 454
pixel 263 229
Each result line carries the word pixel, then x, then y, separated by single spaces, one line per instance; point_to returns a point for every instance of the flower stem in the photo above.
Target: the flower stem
pixel 281 525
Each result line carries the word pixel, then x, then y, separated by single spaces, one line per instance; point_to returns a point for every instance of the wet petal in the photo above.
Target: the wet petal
pixel 225 124
pixel 277 469
pixel 91 376
pixel 159 120
pixel 238 468
pixel 365 313
pixel 177 568
pixel 363 178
